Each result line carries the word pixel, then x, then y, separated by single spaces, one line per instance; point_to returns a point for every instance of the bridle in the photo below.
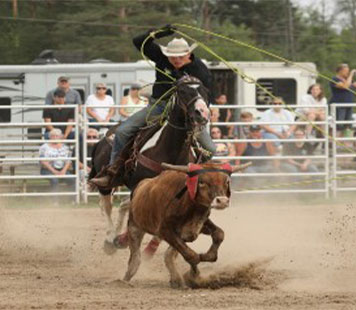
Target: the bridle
pixel 185 106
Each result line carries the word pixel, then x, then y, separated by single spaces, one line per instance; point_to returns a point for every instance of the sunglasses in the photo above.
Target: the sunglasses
pixel 277 103
pixel 98 88
pixel 92 137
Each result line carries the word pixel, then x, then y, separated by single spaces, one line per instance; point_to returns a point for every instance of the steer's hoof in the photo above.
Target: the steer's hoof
pixel 121 241
pixel 109 248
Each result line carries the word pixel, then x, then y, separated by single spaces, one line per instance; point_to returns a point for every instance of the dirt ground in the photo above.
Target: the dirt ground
pixel 52 258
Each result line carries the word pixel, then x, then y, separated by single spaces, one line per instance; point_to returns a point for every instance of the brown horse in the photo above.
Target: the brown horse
pixel 186 118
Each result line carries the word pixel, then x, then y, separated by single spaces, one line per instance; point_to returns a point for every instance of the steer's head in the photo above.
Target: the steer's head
pixel 208 184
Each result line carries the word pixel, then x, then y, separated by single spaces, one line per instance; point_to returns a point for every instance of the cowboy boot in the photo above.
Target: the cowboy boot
pixel 110 176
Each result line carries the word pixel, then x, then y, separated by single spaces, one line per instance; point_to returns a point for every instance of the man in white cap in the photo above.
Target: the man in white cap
pixel 177 60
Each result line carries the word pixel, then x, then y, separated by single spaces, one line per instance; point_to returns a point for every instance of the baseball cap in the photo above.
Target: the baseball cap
pixel 63 78
pixel 255 127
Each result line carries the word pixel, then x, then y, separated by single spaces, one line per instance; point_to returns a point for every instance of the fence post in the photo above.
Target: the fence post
pixel 334 150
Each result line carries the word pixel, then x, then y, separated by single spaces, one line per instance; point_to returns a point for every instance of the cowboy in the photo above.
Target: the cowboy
pixel 176 60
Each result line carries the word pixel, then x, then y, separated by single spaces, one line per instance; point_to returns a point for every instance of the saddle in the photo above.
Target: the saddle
pixel 125 164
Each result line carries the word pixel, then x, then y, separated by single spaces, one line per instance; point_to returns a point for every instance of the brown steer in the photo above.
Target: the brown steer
pixel 175 206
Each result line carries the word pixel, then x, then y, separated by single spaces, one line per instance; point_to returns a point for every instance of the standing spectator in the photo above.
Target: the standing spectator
pixel 315 96
pixel 222 148
pixel 277 114
pixel 55 150
pixel 72 96
pixel 61 114
pixel 92 137
pixel 299 148
pixel 98 114
pixel 340 93
pixel 259 148
pixel 132 98
pixel 244 130
pixel 224 115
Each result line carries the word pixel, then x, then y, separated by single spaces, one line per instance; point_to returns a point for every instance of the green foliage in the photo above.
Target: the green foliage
pixel 105 28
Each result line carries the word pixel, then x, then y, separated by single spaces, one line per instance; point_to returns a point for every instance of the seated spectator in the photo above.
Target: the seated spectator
pixel 132 98
pixel 214 115
pixel 299 148
pixel 97 114
pixel 314 97
pixel 222 148
pixel 54 150
pixel 60 114
pixel 275 115
pixel 257 149
pixel 92 137
pixel 224 115
pixel 243 131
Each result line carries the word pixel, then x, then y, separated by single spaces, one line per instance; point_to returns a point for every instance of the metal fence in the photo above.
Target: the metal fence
pixel 330 177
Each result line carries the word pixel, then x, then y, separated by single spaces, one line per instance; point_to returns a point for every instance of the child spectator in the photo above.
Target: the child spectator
pixel 315 96
pixel 224 115
pixel 244 130
pixel 222 148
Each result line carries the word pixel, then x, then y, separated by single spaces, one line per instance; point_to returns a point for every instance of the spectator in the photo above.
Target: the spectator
pixel 222 148
pixel 314 97
pixel 299 148
pixel 214 115
pixel 275 115
pixel 243 130
pixel 55 150
pixel 340 93
pixel 98 114
pixel 72 96
pixel 59 115
pixel 257 149
pixel 92 137
pixel 224 115
pixel 132 98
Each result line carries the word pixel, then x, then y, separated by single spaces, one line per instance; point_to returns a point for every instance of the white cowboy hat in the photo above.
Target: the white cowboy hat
pixel 177 47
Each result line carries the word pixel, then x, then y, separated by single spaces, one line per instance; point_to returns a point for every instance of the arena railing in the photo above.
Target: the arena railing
pixel 20 145
pixel 279 182
pixel 343 153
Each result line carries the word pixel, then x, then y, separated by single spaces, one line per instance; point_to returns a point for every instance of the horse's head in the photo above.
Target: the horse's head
pixel 192 98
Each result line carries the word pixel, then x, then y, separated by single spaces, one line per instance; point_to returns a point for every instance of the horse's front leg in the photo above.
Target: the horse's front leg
pixel 217 236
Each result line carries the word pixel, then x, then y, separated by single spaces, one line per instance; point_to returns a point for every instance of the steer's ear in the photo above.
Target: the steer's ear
pixel 241 167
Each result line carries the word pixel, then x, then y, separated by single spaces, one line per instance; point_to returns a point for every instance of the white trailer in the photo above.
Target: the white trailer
pixel 28 84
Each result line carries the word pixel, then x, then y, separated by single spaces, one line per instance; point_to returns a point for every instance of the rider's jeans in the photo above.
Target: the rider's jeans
pixel 131 126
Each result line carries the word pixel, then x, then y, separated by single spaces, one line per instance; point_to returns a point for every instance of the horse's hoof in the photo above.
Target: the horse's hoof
pixel 176 284
pixel 109 248
pixel 121 241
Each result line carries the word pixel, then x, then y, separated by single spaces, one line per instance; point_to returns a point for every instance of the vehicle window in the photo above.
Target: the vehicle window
pixel 285 88
pixel 5 114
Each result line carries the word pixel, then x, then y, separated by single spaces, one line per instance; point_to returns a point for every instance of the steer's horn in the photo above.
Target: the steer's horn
pixel 175 167
pixel 241 167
